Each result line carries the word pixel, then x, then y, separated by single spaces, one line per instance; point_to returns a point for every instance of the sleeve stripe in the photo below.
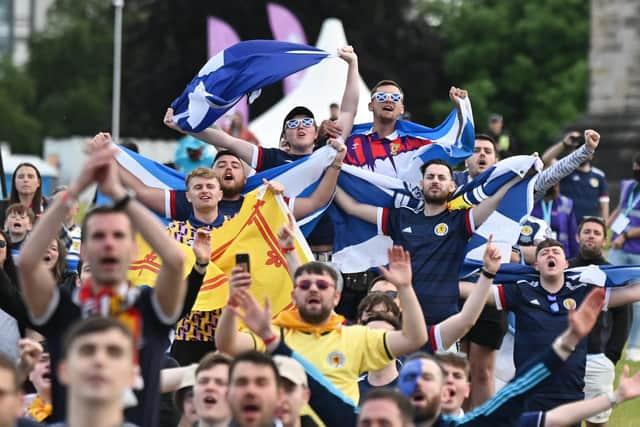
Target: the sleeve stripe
pixel 436 337
pixel 169 204
pixel 386 347
pixel 471 227
pixel 498 296
pixel 607 297
pixel 256 159
pixel 383 221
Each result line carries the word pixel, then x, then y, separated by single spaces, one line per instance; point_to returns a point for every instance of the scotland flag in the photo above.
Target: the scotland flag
pixel 244 68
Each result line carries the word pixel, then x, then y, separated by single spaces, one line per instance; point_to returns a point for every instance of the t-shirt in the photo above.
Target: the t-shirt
pixel 436 244
pixel 340 355
pixel 64 310
pixel 267 158
pixel 540 318
pixel 630 206
pixel 587 190
pixel 390 156
pixel 179 208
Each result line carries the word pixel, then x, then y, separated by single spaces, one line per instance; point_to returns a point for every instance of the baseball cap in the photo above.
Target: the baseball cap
pixel 291 370
pixel 191 143
pixel 298 111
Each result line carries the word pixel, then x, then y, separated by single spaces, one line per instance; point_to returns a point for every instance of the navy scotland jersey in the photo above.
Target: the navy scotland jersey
pixel 267 158
pixel 540 318
pixel 587 189
pixel 437 244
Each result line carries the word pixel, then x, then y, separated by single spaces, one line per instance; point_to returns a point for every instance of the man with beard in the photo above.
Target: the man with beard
pixel 254 390
pixel 606 340
pixel 435 236
pixel 423 379
pixel 625 243
pixel 210 391
pixel 315 331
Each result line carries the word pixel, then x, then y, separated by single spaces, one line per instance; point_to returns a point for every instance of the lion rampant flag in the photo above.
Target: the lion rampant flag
pixel 253 231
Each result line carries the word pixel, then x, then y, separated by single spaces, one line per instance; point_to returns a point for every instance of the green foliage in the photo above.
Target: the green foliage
pixel 525 60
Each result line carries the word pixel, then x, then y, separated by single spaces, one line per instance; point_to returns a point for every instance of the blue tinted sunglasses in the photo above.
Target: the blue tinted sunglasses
pixel 387 96
pixel 294 123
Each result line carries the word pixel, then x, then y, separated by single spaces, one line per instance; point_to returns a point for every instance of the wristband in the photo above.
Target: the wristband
pixel 486 274
pixel 202 264
pixel 269 340
pixel 613 399
pixel 288 249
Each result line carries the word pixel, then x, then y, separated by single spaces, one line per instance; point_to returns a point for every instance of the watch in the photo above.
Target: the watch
pixel 613 399
pixel 123 202
pixel 202 264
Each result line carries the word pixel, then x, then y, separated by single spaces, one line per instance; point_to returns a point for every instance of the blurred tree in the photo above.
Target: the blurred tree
pixel 17 95
pixel 524 60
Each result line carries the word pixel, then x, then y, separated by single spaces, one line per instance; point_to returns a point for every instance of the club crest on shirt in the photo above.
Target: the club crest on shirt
pixel 394 146
pixel 441 229
pixel 336 359
pixel 526 230
pixel 569 304
pixel 593 182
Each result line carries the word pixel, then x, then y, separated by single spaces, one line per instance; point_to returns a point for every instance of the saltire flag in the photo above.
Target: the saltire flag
pixel 598 275
pixel 244 68
pixel 300 178
pixel 253 231
pixel 286 27
pixel 221 35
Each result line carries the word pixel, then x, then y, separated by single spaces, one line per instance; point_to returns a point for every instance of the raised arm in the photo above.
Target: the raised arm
pixel 170 286
pixel 414 330
pixel 553 152
pixel 38 283
pixel 153 198
pixel 217 138
pixel 228 338
pixel 304 206
pixel 558 170
pixel 487 207
pixel 351 95
pixel 286 240
pixel 575 412
pixel 621 295
pixel 456 96
pixel 350 206
pixel 456 326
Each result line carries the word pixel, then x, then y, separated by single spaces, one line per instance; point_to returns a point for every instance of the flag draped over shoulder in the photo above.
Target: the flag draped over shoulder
pixel 504 222
pixel 253 231
pixel 244 68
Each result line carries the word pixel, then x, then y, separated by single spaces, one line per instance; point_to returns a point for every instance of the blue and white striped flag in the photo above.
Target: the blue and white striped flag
pixel 244 68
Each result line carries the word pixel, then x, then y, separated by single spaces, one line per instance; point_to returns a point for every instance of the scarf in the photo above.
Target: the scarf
pixel 39 410
pixel 292 320
pixel 116 301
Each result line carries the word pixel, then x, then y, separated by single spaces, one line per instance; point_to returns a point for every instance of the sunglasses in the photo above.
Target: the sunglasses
pixel 321 284
pixel 390 294
pixel 386 96
pixel 294 123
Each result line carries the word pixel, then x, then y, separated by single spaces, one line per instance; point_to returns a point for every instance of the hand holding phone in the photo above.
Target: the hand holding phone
pixel 242 260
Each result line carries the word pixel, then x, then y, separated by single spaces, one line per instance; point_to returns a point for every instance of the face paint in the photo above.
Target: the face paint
pixel 408 379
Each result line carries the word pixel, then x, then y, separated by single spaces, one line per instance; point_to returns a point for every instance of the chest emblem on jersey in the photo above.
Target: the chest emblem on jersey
pixel 441 229
pixel 526 230
pixel 569 304
pixel 593 182
pixel 394 146
pixel 336 359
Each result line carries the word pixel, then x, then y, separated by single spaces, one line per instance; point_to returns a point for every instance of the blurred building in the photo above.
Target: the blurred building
pixel 18 20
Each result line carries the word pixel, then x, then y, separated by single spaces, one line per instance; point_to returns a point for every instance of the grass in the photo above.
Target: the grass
pixel 627 414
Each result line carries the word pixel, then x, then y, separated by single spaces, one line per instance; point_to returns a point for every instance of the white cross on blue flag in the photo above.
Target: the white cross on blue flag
pixel 242 69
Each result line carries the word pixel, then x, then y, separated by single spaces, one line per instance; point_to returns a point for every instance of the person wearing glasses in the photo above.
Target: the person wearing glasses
pixel 340 352
pixel 606 341
pixel 299 128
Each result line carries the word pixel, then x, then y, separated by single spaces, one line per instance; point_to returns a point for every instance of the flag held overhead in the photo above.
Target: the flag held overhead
pixel 244 68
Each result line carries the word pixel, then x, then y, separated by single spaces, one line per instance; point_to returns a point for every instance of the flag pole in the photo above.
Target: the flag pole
pixel 117 57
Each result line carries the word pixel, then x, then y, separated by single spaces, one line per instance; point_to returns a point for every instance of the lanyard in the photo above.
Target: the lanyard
pixel 632 201
pixel 546 206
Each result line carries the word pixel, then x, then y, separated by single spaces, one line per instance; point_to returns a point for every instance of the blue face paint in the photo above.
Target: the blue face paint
pixel 408 379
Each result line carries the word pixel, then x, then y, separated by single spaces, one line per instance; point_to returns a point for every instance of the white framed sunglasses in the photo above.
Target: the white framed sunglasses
pixel 307 122
pixel 394 97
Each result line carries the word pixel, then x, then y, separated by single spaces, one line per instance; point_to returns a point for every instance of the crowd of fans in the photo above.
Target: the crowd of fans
pixel 378 347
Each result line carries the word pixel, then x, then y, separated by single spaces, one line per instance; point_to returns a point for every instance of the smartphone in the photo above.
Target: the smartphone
pixel 242 260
